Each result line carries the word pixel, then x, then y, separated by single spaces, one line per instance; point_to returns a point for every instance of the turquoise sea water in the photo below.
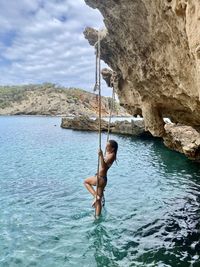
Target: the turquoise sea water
pixel 152 211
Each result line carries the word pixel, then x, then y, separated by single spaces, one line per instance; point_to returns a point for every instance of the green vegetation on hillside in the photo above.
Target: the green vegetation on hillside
pixel 10 94
pixel 50 98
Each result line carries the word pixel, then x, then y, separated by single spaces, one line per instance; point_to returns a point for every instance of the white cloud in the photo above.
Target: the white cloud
pixel 42 41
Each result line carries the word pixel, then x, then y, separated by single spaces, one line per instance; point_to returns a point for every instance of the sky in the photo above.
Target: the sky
pixel 42 41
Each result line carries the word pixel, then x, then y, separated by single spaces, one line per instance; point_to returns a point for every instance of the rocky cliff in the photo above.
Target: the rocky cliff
pixel 153 47
pixel 48 99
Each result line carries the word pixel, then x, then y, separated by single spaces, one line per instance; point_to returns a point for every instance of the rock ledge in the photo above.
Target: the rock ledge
pixel 84 123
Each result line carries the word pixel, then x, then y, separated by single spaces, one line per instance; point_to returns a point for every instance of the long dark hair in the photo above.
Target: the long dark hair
pixel 114 145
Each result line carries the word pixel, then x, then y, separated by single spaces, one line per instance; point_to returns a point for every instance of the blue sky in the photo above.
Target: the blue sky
pixel 42 41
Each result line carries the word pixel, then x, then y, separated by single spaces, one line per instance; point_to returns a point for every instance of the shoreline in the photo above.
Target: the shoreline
pixel 60 116
pixel 180 138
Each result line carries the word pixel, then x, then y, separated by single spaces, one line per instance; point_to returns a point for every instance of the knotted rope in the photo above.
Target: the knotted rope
pixel 97 87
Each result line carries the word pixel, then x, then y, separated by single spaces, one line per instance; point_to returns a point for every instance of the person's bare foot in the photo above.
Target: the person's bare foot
pixel 95 200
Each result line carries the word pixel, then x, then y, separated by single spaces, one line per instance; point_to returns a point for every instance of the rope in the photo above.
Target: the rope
pixel 98 87
pixel 108 132
pixel 110 116
pixel 111 113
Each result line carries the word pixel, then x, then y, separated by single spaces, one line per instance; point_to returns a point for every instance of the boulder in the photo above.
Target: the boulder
pixel 83 123
pixel 184 139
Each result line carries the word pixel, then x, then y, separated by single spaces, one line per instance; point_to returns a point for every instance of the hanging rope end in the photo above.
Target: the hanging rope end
pixel 96 87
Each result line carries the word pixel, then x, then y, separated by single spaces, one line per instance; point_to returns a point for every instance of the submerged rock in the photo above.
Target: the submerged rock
pixel 84 123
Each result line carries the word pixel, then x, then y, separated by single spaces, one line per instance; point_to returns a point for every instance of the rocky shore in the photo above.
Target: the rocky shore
pixel 184 139
pixel 84 123
pixel 181 138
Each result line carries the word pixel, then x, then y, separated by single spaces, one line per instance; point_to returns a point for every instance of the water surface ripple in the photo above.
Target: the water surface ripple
pixel 151 216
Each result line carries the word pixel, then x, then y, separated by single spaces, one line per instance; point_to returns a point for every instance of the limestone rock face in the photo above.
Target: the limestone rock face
pixel 154 49
pixel 129 128
pixel 84 123
pixel 184 139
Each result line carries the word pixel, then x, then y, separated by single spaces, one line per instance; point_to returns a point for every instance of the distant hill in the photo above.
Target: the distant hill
pixel 49 99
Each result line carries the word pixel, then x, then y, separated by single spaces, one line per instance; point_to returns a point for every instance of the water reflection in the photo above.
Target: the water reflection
pixel 105 252
pixel 168 213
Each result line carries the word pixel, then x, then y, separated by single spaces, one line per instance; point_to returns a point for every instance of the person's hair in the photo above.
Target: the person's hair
pixel 114 145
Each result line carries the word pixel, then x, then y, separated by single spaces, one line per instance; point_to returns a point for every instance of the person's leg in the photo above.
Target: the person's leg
pixel 89 182
pixel 98 205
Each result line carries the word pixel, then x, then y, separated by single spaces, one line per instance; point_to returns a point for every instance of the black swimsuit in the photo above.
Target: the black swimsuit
pixel 104 177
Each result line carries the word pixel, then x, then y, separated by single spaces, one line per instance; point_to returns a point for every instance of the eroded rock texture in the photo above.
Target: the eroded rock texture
pixel 184 139
pixel 84 123
pixel 154 49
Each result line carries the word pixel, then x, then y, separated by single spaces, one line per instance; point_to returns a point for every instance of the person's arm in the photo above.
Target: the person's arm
pixel 105 163
pixel 102 161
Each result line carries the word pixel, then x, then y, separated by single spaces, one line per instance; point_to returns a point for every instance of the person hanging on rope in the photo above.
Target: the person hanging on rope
pixel 105 164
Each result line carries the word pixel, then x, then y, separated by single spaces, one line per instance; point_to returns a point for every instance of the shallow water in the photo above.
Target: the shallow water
pixel 151 216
